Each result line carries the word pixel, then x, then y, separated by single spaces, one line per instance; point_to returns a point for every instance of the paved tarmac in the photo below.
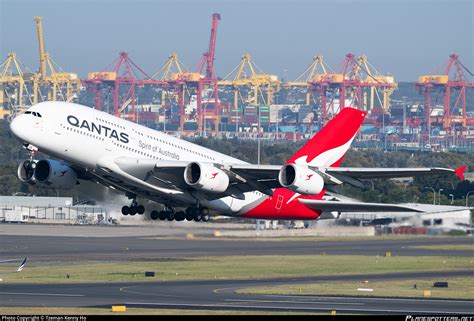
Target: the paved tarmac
pixel 62 248
pixel 221 295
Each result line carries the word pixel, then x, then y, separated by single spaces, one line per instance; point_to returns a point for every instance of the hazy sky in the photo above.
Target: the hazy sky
pixel 405 38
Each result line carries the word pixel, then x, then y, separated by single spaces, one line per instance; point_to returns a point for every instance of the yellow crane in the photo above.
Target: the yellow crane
pixel 376 82
pixel 257 83
pixel 316 70
pixel 57 83
pixel 13 83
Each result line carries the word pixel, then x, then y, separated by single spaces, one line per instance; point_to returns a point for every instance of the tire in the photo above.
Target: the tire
pixel 170 216
pixel 162 215
pixel 205 218
pixel 198 218
pixel 189 217
pixel 154 215
pixel 140 209
pixel 204 211
pixel 125 210
pixel 180 216
pixel 133 210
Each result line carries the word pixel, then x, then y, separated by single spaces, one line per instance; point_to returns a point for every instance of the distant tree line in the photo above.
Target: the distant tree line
pixel 11 153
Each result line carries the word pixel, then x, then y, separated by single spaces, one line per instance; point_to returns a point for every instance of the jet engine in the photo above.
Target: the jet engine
pixel 26 171
pixel 206 177
pixel 300 179
pixel 47 172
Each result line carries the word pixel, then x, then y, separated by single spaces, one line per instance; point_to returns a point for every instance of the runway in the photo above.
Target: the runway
pixel 64 248
pixel 221 295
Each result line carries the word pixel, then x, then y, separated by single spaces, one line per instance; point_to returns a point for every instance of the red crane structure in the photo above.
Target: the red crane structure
pixel 209 79
pixel 123 76
pixel 451 82
pixel 355 77
pixel 185 84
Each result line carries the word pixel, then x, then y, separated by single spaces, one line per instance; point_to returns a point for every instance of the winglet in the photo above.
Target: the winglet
pixel 460 172
pixel 22 265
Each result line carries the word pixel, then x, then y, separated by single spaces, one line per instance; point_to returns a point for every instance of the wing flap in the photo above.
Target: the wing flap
pixel 343 206
pixel 373 173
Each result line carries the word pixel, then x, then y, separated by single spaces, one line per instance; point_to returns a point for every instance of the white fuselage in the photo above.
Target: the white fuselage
pixel 83 136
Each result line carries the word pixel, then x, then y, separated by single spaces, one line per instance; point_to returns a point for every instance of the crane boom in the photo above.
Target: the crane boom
pixel 212 46
pixel 42 54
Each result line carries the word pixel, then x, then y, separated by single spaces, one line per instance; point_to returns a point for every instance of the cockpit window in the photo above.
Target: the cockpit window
pixel 39 115
pixel 27 112
pixel 34 114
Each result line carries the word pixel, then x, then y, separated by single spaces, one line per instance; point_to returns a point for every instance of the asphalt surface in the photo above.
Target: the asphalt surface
pixel 60 248
pixel 221 295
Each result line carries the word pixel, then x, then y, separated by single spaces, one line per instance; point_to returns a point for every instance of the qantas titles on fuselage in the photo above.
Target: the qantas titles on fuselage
pixel 99 129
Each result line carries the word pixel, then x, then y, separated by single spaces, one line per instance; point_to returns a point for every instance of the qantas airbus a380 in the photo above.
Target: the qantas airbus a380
pixel 146 164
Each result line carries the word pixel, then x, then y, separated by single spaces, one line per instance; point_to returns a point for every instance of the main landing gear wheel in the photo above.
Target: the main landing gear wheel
pixel 154 215
pixel 133 209
pixel 197 214
pixel 180 216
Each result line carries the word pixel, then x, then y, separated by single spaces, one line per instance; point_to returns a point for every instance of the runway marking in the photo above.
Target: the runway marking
pixel 385 311
pixel 125 290
pixel 43 294
pixel 300 302
pixel 367 298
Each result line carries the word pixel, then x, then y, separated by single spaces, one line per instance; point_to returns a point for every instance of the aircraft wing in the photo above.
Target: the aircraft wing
pixel 343 206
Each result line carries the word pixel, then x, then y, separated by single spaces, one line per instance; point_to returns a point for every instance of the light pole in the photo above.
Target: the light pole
pixel 467 198
pixel 258 137
pixel 434 194
pixel 439 196
pixel 452 198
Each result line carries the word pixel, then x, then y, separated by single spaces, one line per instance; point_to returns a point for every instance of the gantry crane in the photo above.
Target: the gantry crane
pixel 14 84
pixel 122 80
pixel 245 76
pixel 178 85
pixel 57 83
pixel 451 81
pixel 313 73
pixel 355 76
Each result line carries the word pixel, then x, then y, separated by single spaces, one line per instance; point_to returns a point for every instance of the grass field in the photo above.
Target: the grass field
pixel 459 288
pixel 237 267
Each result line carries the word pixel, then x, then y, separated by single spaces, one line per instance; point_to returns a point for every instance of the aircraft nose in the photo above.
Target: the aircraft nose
pixel 15 126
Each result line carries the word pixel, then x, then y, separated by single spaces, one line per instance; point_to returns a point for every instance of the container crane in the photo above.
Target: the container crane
pixel 14 84
pixel 317 68
pixel 121 76
pixel 451 82
pixel 57 83
pixel 245 76
pixel 209 80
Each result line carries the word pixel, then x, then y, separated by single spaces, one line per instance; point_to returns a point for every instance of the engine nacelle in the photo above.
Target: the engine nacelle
pixel 26 171
pixel 300 179
pixel 207 177
pixel 54 174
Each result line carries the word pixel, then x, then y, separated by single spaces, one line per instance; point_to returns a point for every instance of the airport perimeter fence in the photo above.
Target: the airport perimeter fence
pixel 54 214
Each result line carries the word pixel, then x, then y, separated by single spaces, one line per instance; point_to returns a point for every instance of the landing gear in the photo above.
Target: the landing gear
pixel 133 209
pixel 197 214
